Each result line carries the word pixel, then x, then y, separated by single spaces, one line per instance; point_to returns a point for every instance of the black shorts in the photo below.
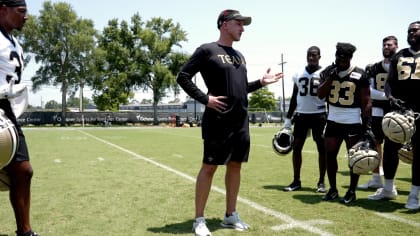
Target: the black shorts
pixel 22 153
pixel 304 122
pixel 377 129
pixel 233 148
pixel 342 131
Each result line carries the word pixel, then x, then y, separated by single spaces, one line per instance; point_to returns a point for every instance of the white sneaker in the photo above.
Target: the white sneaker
pixel 412 202
pixel 381 193
pixel 371 184
pixel 200 227
pixel 234 222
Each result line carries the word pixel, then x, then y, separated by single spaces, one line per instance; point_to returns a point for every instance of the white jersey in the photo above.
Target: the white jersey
pixel 11 60
pixel 11 68
pixel 307 98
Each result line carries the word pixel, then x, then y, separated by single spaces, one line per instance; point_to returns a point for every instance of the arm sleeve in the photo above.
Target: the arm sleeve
pixel 184 78
pixel 254 85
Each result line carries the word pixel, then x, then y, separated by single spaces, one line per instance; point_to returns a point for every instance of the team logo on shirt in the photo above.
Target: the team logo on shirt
pixel 231 59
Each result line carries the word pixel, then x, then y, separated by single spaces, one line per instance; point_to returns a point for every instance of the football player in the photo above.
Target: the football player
pixel 346 89
pixel 404 84
pixel 310 114
pixel 13 14
pixel 378 74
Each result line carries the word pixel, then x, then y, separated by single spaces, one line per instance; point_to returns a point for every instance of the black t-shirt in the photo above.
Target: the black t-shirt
pixel 224 72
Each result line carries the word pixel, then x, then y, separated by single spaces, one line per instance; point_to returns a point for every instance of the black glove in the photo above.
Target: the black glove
pixel 330 71
pixel 396 104
pixel 368 134
pixel 369 139
pixel 370 70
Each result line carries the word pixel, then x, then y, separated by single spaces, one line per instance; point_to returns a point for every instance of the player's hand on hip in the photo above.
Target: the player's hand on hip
pixel 216 103
pixel 269 78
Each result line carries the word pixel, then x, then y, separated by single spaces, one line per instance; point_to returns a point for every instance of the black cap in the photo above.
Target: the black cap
pixel 13 3
pixel 345 50
pixel 229 14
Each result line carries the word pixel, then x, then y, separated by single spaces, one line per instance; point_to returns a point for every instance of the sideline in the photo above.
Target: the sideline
pixel 289 221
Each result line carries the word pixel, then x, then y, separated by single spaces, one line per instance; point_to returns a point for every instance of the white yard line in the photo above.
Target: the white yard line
pixel 399 219
pixel 290 222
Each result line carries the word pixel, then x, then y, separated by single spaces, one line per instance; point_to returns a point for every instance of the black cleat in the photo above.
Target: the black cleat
pixel 29 233
pixel 331 195
pixel 295 185
pixel 321 188
pixel 349 197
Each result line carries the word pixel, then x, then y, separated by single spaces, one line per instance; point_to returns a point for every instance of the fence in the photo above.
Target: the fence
pixel 39 118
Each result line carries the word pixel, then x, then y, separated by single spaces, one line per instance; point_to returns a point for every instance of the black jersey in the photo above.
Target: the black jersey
pixel 378 74
pixel 224 72
pixel 345 88
pixel 404 77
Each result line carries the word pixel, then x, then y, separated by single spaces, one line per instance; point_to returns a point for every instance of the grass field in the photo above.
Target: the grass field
pixel 140 181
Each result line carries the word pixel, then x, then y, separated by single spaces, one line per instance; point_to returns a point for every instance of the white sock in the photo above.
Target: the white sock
pixel 389 184
pixel 377 178
pixel 414 190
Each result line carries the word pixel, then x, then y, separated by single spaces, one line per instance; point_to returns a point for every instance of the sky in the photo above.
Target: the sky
pixel 278 28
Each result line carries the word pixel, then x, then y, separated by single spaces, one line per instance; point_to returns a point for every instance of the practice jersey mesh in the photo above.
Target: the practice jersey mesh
pixel 307 98
pixel 11 66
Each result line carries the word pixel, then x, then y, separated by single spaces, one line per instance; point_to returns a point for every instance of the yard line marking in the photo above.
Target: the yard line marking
pixel 399 219
pixel 291 223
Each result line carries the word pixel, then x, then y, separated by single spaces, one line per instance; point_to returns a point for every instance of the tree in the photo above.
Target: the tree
pixel 62 44
pixel 176 100
pixel 141 55
pixel 263 98
pixel 73 101
pixel 162 64
pixel 146 101
pixel 53 105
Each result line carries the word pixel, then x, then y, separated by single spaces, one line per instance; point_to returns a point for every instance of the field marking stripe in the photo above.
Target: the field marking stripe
pixel 292 223
pixel 399 219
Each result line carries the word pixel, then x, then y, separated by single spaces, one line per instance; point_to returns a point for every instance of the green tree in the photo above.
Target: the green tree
pixel 146 101
pixel 263 98
pixel 115 63
pixel 63 45
pixel 139 56
pixel 176 100
pixel 74 101
pixel 53 105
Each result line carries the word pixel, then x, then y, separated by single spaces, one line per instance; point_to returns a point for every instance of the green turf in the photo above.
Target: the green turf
pixel 140 181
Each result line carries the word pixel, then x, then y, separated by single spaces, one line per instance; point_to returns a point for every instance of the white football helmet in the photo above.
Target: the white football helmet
pixel 399 126
pixel 8 140
pixel 405 153
pixel 283 141
pixel 363 157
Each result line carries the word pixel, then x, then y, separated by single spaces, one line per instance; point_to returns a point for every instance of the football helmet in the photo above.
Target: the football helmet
pixel 405 154
pixel 8 140
pixel 399 126
pixel 363 156
pixel 283 141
